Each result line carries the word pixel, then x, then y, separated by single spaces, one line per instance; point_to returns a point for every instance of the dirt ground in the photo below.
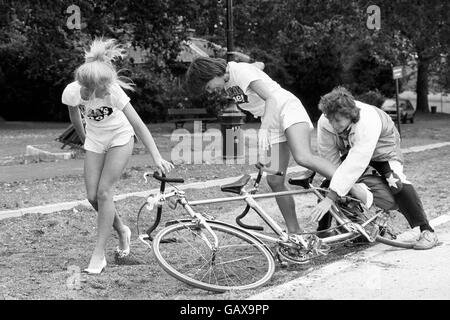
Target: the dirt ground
pixel 41 255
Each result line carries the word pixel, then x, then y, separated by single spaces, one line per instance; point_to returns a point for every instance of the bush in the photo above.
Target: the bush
pixel 373 97
pixel 155 92
pixel 213 102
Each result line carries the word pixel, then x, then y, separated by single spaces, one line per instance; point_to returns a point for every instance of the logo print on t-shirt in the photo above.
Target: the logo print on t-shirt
pixel 100 113
pixel 237 94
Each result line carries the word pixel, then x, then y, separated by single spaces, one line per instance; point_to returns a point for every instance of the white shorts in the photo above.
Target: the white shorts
pixel 101 144
pixel 292 112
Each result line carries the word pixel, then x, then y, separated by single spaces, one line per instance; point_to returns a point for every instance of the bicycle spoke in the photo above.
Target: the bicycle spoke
pixel 235 260
pixel 239 262
pixel 190 244
pixel 228 277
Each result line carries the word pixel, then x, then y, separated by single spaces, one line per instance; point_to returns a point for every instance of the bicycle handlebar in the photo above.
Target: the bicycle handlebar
pixel 163 178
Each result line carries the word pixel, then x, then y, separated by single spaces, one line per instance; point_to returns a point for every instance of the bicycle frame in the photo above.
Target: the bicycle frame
pixel 282 235
pixel 249 196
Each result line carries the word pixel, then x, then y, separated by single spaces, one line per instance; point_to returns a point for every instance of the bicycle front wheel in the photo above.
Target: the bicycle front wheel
pixel 240 262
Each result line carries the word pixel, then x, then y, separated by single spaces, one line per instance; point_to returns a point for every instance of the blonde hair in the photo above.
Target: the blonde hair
pixel 98 69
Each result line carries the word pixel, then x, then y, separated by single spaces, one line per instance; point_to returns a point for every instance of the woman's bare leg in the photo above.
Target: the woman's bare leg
pixel 115 162
pixel 279 161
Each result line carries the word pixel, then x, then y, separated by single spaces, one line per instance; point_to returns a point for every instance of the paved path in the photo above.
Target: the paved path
pixel 45 170
pixel 55 207
pixel 380 272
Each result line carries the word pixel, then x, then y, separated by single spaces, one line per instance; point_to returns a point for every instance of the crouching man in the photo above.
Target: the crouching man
pixel 354 135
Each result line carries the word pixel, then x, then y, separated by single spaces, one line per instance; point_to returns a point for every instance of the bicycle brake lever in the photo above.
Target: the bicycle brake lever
pixel 145 176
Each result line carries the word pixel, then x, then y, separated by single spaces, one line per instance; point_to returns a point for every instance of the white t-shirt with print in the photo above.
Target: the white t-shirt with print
pixel 101 115
pixel 238 87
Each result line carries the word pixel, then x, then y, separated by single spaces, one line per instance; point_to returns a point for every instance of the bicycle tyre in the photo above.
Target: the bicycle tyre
pixel 389 237
pixel 395 243
pixel 248 255
pixel 388 229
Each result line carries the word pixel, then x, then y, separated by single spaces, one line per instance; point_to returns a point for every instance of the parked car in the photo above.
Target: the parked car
pixel 406 109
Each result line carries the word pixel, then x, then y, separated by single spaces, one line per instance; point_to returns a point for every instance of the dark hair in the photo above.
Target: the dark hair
pixel 341 101
pixel 201 71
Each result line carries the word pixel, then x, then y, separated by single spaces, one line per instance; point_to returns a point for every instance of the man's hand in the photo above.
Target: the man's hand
pixel 322 207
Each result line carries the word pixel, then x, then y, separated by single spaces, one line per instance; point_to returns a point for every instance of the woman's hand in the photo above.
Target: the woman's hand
pixel 163 166
pixel 320 209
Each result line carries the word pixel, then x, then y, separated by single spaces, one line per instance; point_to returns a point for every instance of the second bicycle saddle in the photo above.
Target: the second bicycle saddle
pixel 236 187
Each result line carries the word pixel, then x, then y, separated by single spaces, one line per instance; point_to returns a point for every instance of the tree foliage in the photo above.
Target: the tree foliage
pixel 39 53
pixel 307 46
pixel 416 32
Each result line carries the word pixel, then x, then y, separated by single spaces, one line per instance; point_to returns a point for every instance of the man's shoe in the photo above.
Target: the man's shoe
pixel 427 240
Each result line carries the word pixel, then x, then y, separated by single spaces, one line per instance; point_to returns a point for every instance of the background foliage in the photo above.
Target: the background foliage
pixel 309 47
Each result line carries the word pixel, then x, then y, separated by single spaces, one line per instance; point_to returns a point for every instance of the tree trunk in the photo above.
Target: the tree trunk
pixel 422 84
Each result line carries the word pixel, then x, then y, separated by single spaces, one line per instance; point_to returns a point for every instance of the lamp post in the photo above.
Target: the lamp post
pixel 231 118
pixel 229 30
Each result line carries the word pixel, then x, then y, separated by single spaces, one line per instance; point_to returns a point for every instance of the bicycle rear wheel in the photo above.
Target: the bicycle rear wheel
pixel 389 232
pixel 382 222
pixel 240 262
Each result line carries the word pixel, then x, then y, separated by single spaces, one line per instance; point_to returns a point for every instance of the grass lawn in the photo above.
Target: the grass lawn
pixel 15 136
pixel 37 250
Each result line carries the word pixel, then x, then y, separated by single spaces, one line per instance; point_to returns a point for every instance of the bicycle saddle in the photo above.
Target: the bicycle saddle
pixel 304 180
pixel 236 187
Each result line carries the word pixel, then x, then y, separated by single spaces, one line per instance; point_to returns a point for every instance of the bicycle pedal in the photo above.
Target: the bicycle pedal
pixel 298 240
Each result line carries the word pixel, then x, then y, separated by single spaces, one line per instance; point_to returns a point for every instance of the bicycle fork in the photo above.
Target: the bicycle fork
pixel 201 221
